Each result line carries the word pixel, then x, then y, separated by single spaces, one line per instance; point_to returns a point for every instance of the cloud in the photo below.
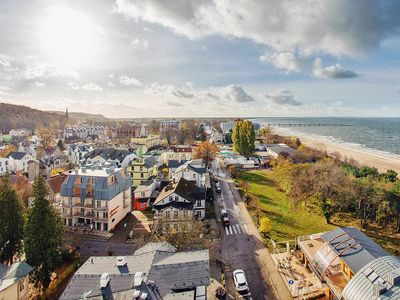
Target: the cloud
pixel 338 27
pixel 237 94
pixel 282 97
pixel 46 70
pixel 213 96
pixel 287 62
pixel 130 81
pixel 4 63
pixel 336 71
pixel 73 86
pixel 174 103
pixel 92 87
pixel 38 84
pixel 182 94
pixel 140 45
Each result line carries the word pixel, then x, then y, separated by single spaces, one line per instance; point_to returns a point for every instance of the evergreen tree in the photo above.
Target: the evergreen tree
pixel 43 236
pixel 11 221
pixel 243 137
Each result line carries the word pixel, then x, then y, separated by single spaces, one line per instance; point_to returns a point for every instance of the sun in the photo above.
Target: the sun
pixel 68 37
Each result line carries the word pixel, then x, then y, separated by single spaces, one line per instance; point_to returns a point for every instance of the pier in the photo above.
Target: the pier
pixel 306 125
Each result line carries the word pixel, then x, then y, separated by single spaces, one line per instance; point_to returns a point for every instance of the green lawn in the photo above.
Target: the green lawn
pixel 287 221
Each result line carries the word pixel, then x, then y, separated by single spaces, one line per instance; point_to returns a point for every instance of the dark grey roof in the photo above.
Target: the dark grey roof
pixel 361 286
pixel 108 153
pixel 170 271
pixel 17 155
pixel 363 251
pixel 149 162
pixel 173 164
pixel 200 170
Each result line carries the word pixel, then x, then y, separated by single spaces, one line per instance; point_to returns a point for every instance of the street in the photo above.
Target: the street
pixel 241 248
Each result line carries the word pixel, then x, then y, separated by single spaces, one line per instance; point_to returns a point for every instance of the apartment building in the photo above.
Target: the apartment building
pixel 177 152
pixel 169 125
pixel 141 169
pixel 148 141
pixel 97 197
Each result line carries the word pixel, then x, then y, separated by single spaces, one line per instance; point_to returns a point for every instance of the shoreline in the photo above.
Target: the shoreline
pixel 381 161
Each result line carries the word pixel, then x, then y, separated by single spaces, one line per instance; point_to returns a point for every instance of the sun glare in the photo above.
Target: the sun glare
pixel 68 37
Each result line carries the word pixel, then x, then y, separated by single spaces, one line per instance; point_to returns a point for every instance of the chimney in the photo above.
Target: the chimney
pixel 104 280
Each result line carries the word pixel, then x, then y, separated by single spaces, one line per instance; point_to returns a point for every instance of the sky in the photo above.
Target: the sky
pixel 181 58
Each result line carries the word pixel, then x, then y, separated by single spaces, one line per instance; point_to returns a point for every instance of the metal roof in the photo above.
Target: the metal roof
pixel 354 247
pixel 361 286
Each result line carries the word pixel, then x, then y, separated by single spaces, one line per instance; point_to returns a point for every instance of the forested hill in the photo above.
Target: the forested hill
pixel 19 116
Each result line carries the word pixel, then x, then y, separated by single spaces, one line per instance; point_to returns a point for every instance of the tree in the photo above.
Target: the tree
pixel 202 136
pixel 43 236
pixel 207 152
pixel 243 137
pixel 245 188
pixel 265 225
pixel 390 175
pixel 11 221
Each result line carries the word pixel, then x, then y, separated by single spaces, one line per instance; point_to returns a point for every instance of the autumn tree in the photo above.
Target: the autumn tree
pixel 243 137
pixel 43 236
pixel 265 225
pixel 7 150
pixel 324 181
pixel 11 221
pixel 207 151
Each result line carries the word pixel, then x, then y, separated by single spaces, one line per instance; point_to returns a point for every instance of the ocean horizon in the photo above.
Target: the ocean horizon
pixel 376 135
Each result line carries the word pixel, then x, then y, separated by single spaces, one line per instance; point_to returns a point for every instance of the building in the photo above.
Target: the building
pixel 154 272
pixel 148 141
pixel 144 194
pixel 54 184
pixel 3 166
pixel 97 197
pixel 20 132
pixel 18 162
pixel 141 169
pixel 14 281
pixel 121 158
pixel 274 150
pixel 169 125
pixel 227 126
pixel 335 257
pixel 380 279
pixel 177 202
pixel 76 153
pixel 194 170
pixel 177 152
pixel 131 131
pixel 83 131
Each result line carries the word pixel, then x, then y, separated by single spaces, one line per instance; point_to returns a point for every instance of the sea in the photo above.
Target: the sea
pixel 375 135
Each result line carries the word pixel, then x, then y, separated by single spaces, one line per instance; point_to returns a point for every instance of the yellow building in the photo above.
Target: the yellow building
pixel 14 281
pixel 141 169
pixel 148 141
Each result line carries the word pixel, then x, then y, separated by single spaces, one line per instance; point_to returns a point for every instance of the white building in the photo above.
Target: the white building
pixel 194 170
pixel 178 202
pixel 98 198
pixel 3 166
pixel 18 161
pixel 227 126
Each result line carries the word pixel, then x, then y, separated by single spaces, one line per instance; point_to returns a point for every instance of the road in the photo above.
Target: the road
pixel 242 246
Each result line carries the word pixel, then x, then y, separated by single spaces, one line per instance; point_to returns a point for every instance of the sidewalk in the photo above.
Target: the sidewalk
pixel 264 258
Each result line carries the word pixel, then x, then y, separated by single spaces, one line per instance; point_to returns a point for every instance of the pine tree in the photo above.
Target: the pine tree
pixel 11 221
pixel 43 236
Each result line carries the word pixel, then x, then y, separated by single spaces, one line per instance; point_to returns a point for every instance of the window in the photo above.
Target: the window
pixel 176 214
pixel 194 176
pixel 105 226
pixel 141 175
pixel 168 214
pixel 69 200
pixel 98 204
pixel 22 285
pixel 176 198
pixel 171 198
pixel 105 215
pixel 98 225
pixel 142 194
pixel 185 213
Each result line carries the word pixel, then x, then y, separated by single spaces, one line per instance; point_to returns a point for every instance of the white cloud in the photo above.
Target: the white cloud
pixel 282 97
pixel 93 87
pixel 39 84
pixel 333 26
pixel 237 94
pixel 287 62
pixel 182 94
pixel 174 103
pixel 4 63
pixel 73 86
pixel 336 71
pixel 140 45
pixel 46 70
pixel 130 81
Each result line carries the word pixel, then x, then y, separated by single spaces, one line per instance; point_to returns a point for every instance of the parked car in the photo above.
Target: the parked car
pixel 240 280
pixel 225 217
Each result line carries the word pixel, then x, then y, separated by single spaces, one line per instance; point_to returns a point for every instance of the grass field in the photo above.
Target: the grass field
pixel 289 222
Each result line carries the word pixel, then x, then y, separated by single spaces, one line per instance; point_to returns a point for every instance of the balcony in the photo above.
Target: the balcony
pixel 83 214
pixel 102 208
pixel 83 205
pixel 67 214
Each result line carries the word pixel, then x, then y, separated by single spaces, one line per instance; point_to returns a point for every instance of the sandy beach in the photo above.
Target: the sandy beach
pixel 380 161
